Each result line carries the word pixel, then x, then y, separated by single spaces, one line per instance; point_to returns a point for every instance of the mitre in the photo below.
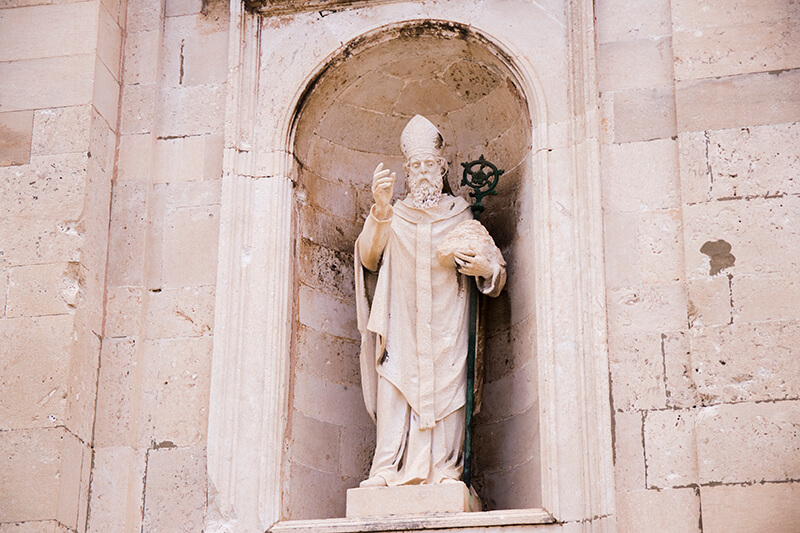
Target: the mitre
pixel 420 136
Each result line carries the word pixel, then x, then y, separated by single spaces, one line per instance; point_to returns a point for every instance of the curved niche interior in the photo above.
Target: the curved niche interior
pixel 350 120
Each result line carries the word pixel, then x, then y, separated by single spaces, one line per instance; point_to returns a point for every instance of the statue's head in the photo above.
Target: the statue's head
pixel 425 167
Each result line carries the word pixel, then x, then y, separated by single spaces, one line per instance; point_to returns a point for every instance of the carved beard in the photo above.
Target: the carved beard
pixel 426 194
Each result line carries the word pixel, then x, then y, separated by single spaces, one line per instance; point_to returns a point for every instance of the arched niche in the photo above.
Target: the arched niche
pixel 349 121
pixel 276 65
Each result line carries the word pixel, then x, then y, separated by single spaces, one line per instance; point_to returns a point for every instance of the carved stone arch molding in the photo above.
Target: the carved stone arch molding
pixel 275 58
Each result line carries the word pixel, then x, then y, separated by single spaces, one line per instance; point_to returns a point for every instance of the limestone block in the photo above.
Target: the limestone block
pixel 315 443
pixel 141 57
pixel 334 198
pixel 143 15
pixel 198 193
pixel 629 465
pixel 179 159
pixel 641 176
pixel 190 246
pixel 127 235
pixel 138 105
pixel 767 508
pixel 59 82
pixel 191 110
pixel 506 442
pixel 695 172
pixel 746 362
pixel 117 9
pixel 176 8
pixel 748 442
pixel 116 393
pixel 123 305
pixel 738 101
pixel 665 511
pixel 327 230
pixel 721 51
pixel 117 485
pixel 670 449
pixel 36 32
pixel 103 148
pixel 383 90
pixel 330 402
pixel 510 395
pixel 53 185
pixel 760 231
pixel 109 42
pixel 49 289
pixel 202 55
pixel 61 130
pixel 688 15
pixel 636 362
pixel 681 388
pixel 710 301
pixel 351 166
pixel 3 291
pixel 514 488
pixel 328 357
pixel 135 157
pixel 754 161
pixel 766 297
pixel 82 377
pixel 73 486
pixel 644 114
pixel 42 475
pixel 325 312
pixel 410 499
pixel 34 378
pixel 618 20
pixel 186 312
pixel 315 494
pixel 382 138
pixel 16 129
pixel 634 64
pixel 184 376
pixel 106 93
pixel 356 450
pixel 175 489
pixel 660 307
pixel 327 269
pixel 26 241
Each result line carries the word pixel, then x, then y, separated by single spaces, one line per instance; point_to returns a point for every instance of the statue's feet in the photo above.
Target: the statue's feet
pixel 375 481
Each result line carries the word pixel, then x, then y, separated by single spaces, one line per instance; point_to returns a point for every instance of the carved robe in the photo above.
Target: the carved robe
pixel 415 329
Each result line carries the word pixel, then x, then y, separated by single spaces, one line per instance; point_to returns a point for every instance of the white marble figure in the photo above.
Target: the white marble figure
pixel 415 328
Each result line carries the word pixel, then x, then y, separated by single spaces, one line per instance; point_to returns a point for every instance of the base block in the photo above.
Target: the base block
pixel 411 499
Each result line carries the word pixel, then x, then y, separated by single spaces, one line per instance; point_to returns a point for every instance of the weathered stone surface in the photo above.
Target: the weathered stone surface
pixel 344 405
pixel 191 110
pixel 16 129
pixel 651 59
pixel 510 441
pixel 122 307
pixel 709 301
pixel 695 174
pixel 53 185
pixel 766 297
pixel 357 447
pixel 687 14
pixel 738 101
pixel 135 157
pixel 324 501
pixel 328 357
pixel 59 82
pixel 760 232
pixel 116 422
pixel 105 96
pixel 37 526
pixel 747 362
pixel 186 312
pixel 636 362
pixel 769 508
pixel 754 161
pixel 141 57
pixel 629 465
pixel 117 484
pixel 667 511
pixel 618 20
pixel 670 449
pixel 660 307
pixel 138 107
pixel 35 358
pixel 325 312
pixel 38 290
pixel 641 176
pixel 175 489
pixel 681 388
pixel 190 246
pixel 748 442
pixel 315 444
pixel 413 499
pixel 644 114
pixel 127 239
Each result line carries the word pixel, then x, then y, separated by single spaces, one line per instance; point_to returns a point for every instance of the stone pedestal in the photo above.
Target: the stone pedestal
pixel 411 499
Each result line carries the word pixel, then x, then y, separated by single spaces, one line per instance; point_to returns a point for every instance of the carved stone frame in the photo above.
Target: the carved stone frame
pixel 249 388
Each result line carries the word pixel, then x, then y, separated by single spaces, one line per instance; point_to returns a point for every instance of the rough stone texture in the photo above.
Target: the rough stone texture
pixel 670 449
pixel 175 490
pixel 419 499
pixel 15 137
pixel 629 460
pixel 771 508
pixel 668 511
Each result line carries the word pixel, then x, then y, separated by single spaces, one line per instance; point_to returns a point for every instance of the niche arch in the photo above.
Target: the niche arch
pixel 252 365
pixel 349 120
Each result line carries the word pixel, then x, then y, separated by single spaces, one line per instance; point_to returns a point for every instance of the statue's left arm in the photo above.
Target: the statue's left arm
pixel 489 272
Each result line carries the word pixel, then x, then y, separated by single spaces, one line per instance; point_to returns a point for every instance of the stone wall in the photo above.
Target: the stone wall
pixel 699 162
pixel 112 118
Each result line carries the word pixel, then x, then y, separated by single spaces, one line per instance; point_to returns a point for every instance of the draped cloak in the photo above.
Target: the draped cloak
pixel 414 332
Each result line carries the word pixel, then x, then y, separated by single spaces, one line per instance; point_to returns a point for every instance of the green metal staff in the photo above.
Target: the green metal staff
pixel 482 177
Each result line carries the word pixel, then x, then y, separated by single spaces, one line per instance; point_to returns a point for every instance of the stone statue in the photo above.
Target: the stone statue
pixel 414 319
